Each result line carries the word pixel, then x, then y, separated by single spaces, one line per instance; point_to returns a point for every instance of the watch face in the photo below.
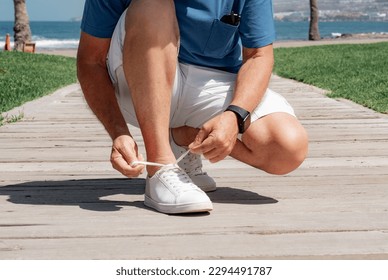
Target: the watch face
pixel 246 122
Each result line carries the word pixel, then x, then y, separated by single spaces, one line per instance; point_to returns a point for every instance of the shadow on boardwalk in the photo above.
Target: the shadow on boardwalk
pixel 89 194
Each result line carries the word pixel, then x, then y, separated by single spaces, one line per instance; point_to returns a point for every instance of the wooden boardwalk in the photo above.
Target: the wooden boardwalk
pixel 60 198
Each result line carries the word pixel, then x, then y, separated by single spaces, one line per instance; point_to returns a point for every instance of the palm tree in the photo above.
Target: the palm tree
pixel 21 27
pixel 314 13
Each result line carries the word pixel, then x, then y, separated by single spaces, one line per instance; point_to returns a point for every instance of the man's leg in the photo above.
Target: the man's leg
pixel 149 61
pixel 276 143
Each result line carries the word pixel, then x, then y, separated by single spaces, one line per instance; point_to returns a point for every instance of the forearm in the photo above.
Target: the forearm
pixel 253 77
pixel 100 96
pixel 96 84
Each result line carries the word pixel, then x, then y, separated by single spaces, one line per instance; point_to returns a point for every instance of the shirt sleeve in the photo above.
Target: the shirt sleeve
pixel 257 28
pixel 101 16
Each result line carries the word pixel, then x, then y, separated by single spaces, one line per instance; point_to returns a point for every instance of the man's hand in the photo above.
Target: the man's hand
pixel 124 152
pixel 217 137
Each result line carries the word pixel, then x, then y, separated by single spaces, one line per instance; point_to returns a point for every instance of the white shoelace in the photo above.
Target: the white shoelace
pixel 176 178
pixel 138 162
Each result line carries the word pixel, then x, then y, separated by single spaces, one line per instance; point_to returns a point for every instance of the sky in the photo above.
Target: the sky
pixel 44 10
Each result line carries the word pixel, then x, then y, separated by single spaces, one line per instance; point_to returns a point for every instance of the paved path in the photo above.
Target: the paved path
pixel 60 199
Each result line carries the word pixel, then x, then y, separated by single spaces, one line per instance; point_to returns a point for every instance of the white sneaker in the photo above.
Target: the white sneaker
pixel 192 165
pixel 171 191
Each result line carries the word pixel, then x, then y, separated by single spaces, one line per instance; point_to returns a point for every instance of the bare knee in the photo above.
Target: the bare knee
pixel 277 148
pixel 292 151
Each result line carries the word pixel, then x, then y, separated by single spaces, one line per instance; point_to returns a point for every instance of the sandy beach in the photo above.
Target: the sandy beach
pixel 64 52
pixel 367 39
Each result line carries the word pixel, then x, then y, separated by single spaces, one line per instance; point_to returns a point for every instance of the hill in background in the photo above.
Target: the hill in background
pixel 331 10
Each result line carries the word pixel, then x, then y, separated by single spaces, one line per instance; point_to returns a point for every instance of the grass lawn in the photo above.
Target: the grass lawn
pixel 25 77
pixel 357 72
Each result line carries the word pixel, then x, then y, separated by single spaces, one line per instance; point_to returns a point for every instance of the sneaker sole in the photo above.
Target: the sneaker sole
pixel 208 188
pixel 178 209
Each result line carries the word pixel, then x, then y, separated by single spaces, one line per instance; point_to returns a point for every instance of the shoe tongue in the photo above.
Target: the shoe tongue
pixel 168 167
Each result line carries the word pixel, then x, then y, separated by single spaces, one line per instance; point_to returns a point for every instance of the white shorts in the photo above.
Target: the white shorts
pixel 198 94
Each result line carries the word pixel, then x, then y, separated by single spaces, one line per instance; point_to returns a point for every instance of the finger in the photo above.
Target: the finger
pixel 216 154
pixel 129 153
pixel 199 138
pixel 216 150
pixel 217 158
pixel 121 165
pixel 121 160
pixel 203 145
pixel 208 145
pixel 211 154
pixel 141 158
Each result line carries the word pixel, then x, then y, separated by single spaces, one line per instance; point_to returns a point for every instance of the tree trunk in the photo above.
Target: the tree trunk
pixel 314 14
pixel 22 25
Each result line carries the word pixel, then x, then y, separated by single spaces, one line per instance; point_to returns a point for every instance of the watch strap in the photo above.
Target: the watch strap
pixel 241 115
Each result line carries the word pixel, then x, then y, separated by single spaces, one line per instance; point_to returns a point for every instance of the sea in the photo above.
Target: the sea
pixel 65 35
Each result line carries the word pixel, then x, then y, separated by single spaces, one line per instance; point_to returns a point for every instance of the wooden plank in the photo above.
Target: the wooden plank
pixel 331 245
pixel 61 199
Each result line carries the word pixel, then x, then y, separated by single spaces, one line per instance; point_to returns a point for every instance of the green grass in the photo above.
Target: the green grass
pixel 357 72
pixel 25 77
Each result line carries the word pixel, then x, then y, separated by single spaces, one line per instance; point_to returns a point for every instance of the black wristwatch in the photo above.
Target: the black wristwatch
pixel 243 117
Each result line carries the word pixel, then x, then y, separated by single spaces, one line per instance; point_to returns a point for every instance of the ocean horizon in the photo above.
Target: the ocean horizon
pixel 65 34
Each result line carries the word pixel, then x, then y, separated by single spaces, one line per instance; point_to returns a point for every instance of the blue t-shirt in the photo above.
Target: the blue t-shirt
pixel 205 39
